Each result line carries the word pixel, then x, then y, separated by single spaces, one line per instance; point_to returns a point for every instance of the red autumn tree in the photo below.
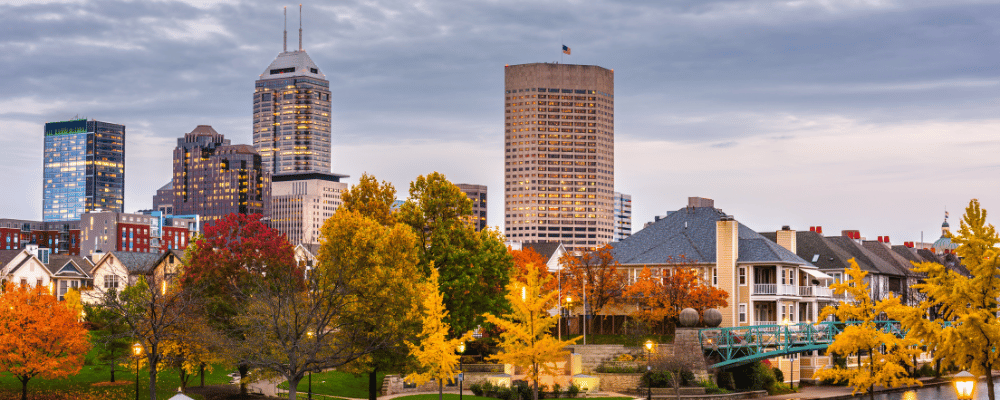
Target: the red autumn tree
pixel 528 259
pixel 39 336
pixel 663 295
pixel 237 252
pixel 597 274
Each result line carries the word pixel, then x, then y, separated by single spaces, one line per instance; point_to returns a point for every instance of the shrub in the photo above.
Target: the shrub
pixel 926 370
pixel 687 378
pixel 541 391
pixel 725 379
pixel 625 357
pixel 573 390
pixel 657 379
pixel 711 387
pixel 476 389
pixel 556 390
pixel 505 393
pixel 778 374
pixel 524 390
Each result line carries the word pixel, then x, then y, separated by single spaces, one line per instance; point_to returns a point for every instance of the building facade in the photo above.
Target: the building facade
pixel 301 203
pixel 61 237
pixel 106 232
pixel 83 168
pixel 559 154
pixel 623 216
pixel 291 117
pixel 477 195
pixel 213 178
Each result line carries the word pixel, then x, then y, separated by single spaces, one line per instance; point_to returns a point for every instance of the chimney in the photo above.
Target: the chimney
pixel 96 256
pixel 699 202
pixel 885 239
pixel 726 253
pixel 819 230
pixel 851 234
pixel 786 239
pixel 32 249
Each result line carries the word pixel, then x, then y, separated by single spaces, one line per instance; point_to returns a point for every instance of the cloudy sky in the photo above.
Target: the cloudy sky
pixel 871 115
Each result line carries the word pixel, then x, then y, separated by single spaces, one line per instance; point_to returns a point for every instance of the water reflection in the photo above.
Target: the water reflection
pixel 944 392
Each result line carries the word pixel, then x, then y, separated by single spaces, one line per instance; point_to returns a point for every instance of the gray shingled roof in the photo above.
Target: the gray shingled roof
pixel 902 265
pixel 812 246
pixel 544 249
pixel 137 262
pixel 6 256
pixel 690 233
pixel 867 260
pixel 58 262
pixel 929 256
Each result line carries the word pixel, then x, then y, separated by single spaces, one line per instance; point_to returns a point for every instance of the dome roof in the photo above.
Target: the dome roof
pixel 945 224
pixel 944 243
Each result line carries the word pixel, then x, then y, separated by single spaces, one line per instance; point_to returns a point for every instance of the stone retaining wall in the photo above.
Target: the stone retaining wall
pixel 393 384
pixel 619 382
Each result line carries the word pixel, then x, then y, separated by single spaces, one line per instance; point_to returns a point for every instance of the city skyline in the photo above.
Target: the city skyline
pixel 867 116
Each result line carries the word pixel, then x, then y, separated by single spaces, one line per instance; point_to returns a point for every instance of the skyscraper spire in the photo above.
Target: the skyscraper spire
pixel 284 42
pixel 300 26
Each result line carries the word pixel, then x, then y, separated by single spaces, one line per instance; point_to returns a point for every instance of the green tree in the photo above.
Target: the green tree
pixel 527 340
pixel 110 337
pixel 435 354
pixel 371 199
pixel 882 357
pixel 388 307
pixel 470 263
pixel 966 330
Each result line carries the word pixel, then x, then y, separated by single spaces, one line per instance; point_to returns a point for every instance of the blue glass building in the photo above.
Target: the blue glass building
pixel 83 170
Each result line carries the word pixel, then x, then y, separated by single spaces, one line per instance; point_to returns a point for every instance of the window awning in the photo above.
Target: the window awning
pixel 817 274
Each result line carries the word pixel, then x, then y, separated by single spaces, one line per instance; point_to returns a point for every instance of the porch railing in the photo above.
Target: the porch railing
pixel 765 288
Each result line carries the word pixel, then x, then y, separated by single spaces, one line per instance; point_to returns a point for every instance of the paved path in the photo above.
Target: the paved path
pixel 845 392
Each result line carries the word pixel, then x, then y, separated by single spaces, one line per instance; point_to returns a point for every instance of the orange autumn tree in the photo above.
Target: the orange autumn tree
pixel 660 298
pixel 39 336
pixel 528 259
pixel 596 274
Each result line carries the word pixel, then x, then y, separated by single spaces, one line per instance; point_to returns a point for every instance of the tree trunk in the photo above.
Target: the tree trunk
pixel 243 374
pixel 372 382
pixel 113 369
pixel 535 368
pixel 293 388
pixel 989 383
pixel 24 387
pixel 152 380
pixel 441 389
pixel 201 372
pixel 184 378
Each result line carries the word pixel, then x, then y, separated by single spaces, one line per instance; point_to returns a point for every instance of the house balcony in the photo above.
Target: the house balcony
pixel 775 289
pixel 815 291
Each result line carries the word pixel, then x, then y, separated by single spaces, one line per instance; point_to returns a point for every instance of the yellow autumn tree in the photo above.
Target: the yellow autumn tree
pixel 966 330
pixel 526 340
pixel 881 356
pixel 435 354
pixel 72 301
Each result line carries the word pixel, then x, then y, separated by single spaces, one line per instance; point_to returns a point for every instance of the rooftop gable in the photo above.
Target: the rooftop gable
pixel 690 234
pixel 865 258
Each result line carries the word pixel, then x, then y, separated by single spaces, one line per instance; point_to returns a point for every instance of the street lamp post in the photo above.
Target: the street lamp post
pixel 309 394
pixel 649 370
pixel 461 375
pixel 137 351
pixel 965 384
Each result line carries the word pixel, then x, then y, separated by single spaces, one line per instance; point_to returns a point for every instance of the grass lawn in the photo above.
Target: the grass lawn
pixel 450 396
pixel 336 383
pixel 79 386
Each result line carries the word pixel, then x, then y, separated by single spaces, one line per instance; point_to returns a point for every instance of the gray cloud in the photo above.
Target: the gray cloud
pixel 415 83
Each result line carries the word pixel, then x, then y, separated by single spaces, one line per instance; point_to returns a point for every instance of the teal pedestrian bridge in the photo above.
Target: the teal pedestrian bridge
pixel 745 344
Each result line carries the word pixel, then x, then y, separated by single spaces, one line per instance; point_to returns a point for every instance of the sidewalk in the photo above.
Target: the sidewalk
pixel 845 392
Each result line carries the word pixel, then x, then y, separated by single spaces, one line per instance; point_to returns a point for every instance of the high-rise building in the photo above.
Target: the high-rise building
pixel 301 203
pixel 163 200
pixel 83 170
pixel 623 216
pixel 213 178
pixel 477 194
pixel 560 154
pixel 291 113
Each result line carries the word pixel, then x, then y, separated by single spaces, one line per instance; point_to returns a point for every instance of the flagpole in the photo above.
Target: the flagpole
pixel 561 44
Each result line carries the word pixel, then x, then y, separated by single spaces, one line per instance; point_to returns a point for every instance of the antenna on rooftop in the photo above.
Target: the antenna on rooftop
pixel 284 42
pixel 300 26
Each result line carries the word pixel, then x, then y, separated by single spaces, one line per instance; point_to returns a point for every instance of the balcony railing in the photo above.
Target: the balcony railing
pixel 805 291
pixel 823 291
pixel 765 288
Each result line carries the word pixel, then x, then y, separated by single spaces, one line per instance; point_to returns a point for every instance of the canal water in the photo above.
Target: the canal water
pixel 943 392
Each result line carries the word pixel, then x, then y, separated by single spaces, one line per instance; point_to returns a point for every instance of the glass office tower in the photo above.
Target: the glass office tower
pixel 83 170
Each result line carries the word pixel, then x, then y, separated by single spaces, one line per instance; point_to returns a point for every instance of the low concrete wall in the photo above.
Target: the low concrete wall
pixel 393 384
